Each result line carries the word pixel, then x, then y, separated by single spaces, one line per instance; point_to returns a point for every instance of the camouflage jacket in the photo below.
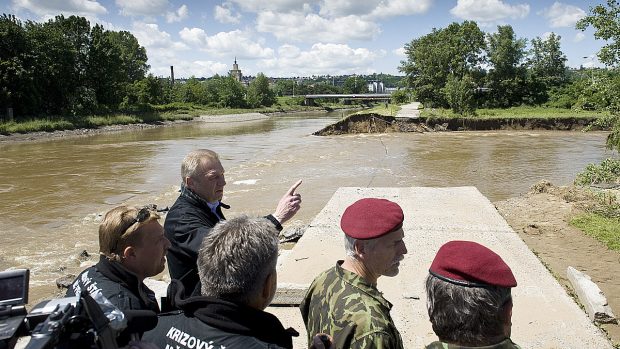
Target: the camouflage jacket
pixel 505 344
pixel 344 305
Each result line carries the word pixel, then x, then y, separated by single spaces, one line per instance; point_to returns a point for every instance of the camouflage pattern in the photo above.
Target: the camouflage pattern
pixel 505 344
pixel 343 305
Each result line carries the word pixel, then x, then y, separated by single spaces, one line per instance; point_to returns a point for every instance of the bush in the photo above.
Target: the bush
pixel 607 172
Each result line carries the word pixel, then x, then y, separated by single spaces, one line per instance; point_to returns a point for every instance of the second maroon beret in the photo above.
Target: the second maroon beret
pixel 468 263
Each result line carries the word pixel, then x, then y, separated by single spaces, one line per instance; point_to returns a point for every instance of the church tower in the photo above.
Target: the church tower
pixel 236 72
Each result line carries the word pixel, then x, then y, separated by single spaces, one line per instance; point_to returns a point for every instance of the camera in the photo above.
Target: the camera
pixel 85 321
pixel 13 299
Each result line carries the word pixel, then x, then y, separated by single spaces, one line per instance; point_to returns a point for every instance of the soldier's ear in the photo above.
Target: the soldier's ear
pixel 189 182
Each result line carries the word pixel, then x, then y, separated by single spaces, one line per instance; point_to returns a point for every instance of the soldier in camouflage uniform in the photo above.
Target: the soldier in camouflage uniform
pixel 468 298
pixel 343 301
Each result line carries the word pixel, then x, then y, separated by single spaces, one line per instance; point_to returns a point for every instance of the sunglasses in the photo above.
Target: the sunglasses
pixel 143 214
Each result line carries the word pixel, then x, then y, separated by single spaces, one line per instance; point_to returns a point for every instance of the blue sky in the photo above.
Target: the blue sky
pixel 283 38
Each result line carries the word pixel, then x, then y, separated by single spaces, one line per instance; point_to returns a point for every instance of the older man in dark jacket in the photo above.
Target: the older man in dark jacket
pixel 199 208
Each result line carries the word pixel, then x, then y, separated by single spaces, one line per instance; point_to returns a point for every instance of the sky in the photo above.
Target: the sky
pixel 288 38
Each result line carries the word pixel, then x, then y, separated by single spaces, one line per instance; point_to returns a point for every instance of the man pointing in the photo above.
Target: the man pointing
pixel 199 208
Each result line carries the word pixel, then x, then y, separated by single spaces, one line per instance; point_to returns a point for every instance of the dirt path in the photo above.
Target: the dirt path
pixel 541 219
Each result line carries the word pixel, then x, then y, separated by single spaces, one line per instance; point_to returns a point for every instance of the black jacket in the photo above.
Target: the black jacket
pixel 217 323
pixel 119 285
pixel 187 223
pixel 189 220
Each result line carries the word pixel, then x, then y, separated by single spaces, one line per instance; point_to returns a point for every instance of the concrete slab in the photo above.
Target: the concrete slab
pixel 544 316
pixel 409 111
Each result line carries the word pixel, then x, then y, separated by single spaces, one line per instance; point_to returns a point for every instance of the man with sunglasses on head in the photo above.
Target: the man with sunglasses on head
pixel 133 247
pixel 199 208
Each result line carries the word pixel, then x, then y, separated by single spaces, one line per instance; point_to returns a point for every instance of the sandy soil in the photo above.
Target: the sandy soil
pixel 541 218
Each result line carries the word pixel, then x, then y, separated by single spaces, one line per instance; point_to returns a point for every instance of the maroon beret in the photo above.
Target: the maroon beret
pixel 371 218
pixel 470 264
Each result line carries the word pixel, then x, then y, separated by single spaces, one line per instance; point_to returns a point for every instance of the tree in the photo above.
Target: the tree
pixel 354 84
pixel 455 50
pixel 459 92
pixel 547 61
pixel 259 93
pixel 507 74
pixel 17 87
pixel 231 93
pixel 606 22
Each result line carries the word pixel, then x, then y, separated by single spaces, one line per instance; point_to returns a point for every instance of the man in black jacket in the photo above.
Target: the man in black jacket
pixel 237 270
pixel 133 247
pixel 199 208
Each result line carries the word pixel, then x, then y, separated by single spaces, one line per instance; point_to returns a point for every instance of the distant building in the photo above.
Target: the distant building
pixel 236 72
pixel 376 87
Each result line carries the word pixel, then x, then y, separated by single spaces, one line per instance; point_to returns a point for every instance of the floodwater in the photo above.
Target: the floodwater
pixel 52 193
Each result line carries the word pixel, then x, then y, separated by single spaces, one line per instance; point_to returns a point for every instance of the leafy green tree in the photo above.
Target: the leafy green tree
pixel 547 61
pixel 506 77
pixel 259 93
pixel 231 93
pixel 459 92
pixel 457 50
pixel 400 96
pixel 606 21
pixel 17 83
pixel 354 84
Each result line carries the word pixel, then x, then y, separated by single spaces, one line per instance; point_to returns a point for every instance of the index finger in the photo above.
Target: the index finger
pixel 291 191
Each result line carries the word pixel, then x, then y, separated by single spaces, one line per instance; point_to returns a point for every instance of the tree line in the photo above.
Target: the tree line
pixel 463 68
pixel 66 67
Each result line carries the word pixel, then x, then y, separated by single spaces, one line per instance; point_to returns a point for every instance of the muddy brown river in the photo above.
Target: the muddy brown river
pixel 52 193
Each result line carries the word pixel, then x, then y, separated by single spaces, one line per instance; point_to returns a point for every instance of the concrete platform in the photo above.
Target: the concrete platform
pixel 544 316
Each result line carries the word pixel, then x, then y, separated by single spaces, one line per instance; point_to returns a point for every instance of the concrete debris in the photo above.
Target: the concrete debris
pixel 591 296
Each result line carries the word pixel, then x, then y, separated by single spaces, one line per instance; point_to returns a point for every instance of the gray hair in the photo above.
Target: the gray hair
pixel 193 162
pixel 236 258
pixel 349 245
pixel 469 316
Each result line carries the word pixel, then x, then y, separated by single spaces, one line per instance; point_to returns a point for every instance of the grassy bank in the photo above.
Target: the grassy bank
pixel 156 114
pixel 605 229
pixel 382 109
pixel 601 220
pixel 516 113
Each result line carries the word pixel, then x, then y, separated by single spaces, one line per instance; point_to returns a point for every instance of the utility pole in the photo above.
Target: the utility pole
pixel 171 75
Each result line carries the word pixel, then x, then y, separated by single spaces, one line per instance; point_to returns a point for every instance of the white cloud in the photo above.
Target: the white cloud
pixel 142 7
pixel 401 8
pixel 488 10
pixel 563 15
pixel 149 36
pixel 298 26
pixel 257 6
pixel 227 44
pixel 579 37
pixel 322 59
pixel 400 52
pixel 177 16
pixel 224 14
pixel 338 8
pixel 54 7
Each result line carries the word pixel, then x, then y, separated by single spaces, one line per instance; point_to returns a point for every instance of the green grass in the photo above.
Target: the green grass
pixel 604 229
pixel 381 109
pixel 93 121
pixel 517 112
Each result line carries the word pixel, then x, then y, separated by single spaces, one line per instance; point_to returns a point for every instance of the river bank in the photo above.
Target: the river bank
pixel 376 123
pixel 542 218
